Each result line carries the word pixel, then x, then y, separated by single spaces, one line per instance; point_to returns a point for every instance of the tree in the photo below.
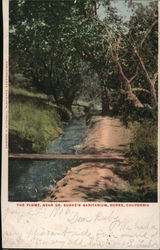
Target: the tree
pixel 90 39
pixel 36 37
pixel 54 41
pixel 136 55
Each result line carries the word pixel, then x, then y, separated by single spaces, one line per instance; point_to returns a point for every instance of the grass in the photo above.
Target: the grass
pixel 21 91
pixel 33 122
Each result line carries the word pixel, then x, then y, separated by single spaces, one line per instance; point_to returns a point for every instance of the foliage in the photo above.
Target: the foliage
pixel 127 112
pixel 143 157
pixel 63 113
pixel 37 45
pixel 137 52
pixel 53 42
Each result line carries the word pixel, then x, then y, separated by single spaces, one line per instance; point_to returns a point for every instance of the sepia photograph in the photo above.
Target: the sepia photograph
pixel 83 101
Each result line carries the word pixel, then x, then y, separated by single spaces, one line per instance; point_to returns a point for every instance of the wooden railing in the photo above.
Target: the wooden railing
pixel 92 157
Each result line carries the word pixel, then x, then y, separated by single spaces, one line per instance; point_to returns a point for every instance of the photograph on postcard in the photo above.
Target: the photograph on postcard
pixel 83 101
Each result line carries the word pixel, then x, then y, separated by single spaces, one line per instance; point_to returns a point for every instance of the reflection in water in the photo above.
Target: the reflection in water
pixel 32 180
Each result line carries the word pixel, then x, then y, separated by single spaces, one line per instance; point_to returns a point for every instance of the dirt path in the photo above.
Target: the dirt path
pixel 106 135
pixel 97 181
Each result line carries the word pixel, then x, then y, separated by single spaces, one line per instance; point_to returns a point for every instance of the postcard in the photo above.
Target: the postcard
pixel 80 124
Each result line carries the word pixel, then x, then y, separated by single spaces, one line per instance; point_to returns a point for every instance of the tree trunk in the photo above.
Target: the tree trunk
pixel 153 94
pixel 134 100
pixel 105 100
pixel 150 81
pixel 69 106
pixel 52 89
pixel 128 89
pixel 67 102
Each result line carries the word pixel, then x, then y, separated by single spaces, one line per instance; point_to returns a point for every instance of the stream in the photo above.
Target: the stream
pixel 32 180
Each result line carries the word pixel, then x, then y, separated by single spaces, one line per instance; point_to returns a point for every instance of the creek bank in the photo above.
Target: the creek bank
pixel 98 181
pixel 34 121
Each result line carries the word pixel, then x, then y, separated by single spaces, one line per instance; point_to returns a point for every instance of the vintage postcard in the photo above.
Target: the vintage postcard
pixel 80 124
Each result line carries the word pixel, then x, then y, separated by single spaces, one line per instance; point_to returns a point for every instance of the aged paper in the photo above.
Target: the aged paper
pixel 89 205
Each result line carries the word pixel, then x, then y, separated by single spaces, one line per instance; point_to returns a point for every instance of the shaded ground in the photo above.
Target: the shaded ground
pixel 97 181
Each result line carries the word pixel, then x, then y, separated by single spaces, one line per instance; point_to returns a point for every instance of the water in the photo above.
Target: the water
pixel 32 180
pixel 71 138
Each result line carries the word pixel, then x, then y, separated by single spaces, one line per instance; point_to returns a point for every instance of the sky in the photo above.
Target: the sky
pixel 122 8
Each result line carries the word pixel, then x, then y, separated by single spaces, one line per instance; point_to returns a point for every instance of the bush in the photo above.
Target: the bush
pixel 64 113
pixel 143 156
pixel 124 108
